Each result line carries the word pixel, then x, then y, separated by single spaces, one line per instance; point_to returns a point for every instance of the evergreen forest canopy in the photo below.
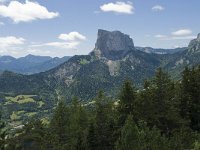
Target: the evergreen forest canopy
pixel 165 115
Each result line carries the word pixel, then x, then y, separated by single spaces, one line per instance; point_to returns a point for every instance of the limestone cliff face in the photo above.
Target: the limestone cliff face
pixel 194 46
pixel 198 37
pixel 113 45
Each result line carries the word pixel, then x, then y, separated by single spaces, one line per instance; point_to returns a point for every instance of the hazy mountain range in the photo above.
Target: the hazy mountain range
pixel 114 59
pixel 30 64
pixel 161 50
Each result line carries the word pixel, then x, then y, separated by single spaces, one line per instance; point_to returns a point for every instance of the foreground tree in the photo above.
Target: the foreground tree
pixel 2 133
pixel 78 124
pixel 92 137
pixel 103 123
pixel 130 137
pixel 190 97
pixel 158 105
pixel 59 126
pixel 141 137
pixel 127 102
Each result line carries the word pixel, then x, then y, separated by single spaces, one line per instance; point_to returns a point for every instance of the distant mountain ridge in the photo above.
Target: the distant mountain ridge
pixel 161 50
pixel 30 64
pixel 114 59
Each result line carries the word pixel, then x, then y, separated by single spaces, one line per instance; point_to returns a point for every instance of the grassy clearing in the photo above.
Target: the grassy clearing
pixel 41 103
pixel 20 99
pixel 84 61
pixel 31 114
pixel 15 116
pixel 45 121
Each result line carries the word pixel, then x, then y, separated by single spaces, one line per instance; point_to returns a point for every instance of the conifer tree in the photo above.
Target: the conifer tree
pixel 59 125
pixel 2 133
pixel 92 137
pixel 77 126
pixel 130 138
pixel 127 102
pixel 33 136
pixel 103 123
pixel 190 99
pixel 158 105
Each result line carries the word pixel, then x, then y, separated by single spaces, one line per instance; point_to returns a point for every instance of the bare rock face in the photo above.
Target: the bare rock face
pixel 198 37
pixel 194 45
pixel 114 44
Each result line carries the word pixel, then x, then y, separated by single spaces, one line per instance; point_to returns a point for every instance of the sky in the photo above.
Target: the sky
pixel 69 27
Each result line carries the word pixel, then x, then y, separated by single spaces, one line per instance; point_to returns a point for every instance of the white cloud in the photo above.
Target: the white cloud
pixel 183 37
pixel 158 8
pixel 160 36
pixel 165 37
pixel 17 47
pixel 3 1
pixel 64 45
pixel 72 36
pixel 71 41
pixel 26 12
pixel 2 23
pixel 9 41
pixel 182 32
pixel 177 46
pixel 118 7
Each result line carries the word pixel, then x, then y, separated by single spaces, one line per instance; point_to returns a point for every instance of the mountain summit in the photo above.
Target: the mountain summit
pixel 194 45
pixel 113 44
pixel 198 37
pixel 113 60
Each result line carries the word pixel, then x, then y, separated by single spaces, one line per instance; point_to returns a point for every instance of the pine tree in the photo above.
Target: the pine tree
pixel 59 125
pixel 103 123
pixel 77 126
pixel 152 138
pixel 182 139
pixel 2 133
pixel 127 102
pixel 190 97
pixel 33 136
pixel 185 96
pixel 158 105
pixel 130 138
pixel 92 137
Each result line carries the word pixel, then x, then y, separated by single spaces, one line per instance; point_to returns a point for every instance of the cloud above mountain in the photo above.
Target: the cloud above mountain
pixel 10 45
pixel 182 32
pixel 72 36
pixel 11 41
pixel 17 46
pixel 157 8
pixel 3 1
pixel 118 7
pixel 26 12
pixel 69 41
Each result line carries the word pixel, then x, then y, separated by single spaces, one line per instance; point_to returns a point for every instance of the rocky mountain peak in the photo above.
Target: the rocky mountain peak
pixel 198 37
pixel 194 45
pixel 113 43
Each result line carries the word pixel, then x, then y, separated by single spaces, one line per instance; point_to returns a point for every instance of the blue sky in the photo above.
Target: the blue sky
pixel 69 27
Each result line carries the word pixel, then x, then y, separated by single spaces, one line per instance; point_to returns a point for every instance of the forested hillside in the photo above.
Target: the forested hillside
pixel 113 59
pixel 164 115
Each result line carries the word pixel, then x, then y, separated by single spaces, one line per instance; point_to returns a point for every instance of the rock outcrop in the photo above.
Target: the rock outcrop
pixel 194 45
pixel 113 45
pixel 198 37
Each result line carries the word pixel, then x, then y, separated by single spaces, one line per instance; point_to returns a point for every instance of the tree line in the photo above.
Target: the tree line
pixel 164 115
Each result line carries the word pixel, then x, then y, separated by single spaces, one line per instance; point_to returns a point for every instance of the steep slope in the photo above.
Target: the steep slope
pixel 113 60
pixel 190 57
